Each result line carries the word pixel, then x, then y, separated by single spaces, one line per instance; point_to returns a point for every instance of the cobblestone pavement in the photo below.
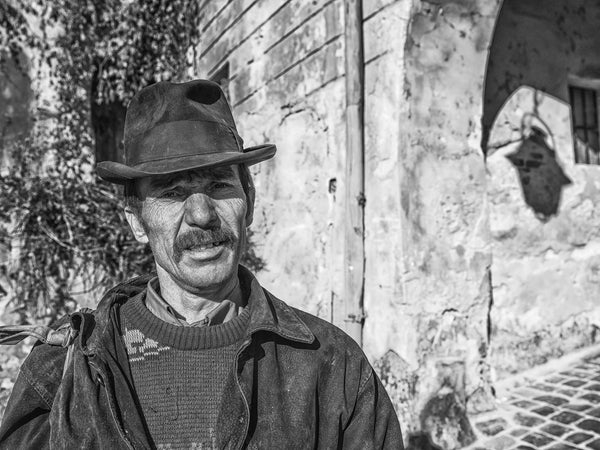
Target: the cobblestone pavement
pixel 560 412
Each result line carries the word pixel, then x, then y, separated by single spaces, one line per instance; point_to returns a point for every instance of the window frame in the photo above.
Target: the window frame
pixel 592 157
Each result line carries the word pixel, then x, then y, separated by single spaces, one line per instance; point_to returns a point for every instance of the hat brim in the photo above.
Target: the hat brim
pixel 119 173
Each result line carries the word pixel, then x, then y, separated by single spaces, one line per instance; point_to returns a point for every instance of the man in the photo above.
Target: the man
pixel 200 355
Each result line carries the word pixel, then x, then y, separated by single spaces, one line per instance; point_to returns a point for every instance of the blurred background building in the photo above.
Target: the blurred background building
pixel 435 188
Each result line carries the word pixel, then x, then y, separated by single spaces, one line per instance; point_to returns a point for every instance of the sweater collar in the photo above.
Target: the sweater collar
pixel 267 312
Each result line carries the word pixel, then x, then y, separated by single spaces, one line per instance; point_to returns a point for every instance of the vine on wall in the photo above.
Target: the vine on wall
pixel 65 225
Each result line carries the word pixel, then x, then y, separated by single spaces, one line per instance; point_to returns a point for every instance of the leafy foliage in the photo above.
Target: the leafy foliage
pixel 64 225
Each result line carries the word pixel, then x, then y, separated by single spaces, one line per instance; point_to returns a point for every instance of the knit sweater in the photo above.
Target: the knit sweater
pixel 179 373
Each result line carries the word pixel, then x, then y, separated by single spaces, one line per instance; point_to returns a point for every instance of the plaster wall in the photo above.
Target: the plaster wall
pixel 546 270
pixel 286 70
pixel 445 257
pixel 427 235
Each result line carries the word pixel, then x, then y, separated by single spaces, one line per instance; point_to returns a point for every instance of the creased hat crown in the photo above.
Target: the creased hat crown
pixel 170 127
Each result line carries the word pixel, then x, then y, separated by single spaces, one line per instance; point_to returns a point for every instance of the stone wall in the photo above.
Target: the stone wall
pixel 427 235
pixel 546 262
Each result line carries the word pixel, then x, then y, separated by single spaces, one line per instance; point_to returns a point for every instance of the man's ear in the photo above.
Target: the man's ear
pixel 250 196
pixel 136 226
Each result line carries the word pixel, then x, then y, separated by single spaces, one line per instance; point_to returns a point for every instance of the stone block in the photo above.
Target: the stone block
pixel 578 437
pixel 567 392
pixel 594 398
pixel 527 420
pixel 551 399
pixel 577 406
pixel 537 439
pixel 519 432
pixel 594 445
pixel 492 427
pixel 500 443
pixel 555 429
pixel 575 383
pixel 543 387
pixel 525 404
pixel 544 410
pixel 590 425
pixel 566 417
pixel 562 446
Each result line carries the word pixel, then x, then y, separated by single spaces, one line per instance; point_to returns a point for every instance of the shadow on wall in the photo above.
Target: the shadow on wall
pixel 421 441
pixel 541 176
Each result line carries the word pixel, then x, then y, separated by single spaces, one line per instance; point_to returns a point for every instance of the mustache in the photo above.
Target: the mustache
pixel 199 237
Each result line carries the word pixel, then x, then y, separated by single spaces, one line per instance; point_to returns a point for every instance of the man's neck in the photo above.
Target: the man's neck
pixel 195 305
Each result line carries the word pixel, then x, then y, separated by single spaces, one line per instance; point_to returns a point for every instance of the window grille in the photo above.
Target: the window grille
pixel 584 116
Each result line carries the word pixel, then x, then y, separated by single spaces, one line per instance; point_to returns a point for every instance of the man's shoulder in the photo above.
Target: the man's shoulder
pixel 330 337
pixel 43 369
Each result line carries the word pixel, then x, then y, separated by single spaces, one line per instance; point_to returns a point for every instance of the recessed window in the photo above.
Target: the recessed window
pixel 584 116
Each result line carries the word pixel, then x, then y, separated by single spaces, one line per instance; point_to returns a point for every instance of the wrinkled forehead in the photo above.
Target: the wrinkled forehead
pixel 149 184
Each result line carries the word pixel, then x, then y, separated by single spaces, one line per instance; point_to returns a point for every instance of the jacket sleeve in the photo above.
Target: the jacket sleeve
pixel 25 423
pixel 374 423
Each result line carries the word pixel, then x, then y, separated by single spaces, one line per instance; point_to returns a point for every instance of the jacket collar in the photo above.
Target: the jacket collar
pixel 267 313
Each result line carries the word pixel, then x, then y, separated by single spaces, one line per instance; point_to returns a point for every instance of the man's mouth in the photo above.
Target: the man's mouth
pixel 207 246
pixel 202 244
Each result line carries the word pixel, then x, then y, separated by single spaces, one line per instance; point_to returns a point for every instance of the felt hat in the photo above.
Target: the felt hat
pixel 171 127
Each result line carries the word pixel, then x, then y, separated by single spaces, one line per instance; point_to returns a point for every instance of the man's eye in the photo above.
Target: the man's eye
pixel 220 185
pixel 170 194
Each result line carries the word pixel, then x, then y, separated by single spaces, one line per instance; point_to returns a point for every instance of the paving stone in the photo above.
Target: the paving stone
pixel 567 392
pixel 519 432
pixel 587 366
pixel 578 437
pixel 575 382
pixel 553 400
pixel 543 387
pixel 590 425
pixel 555 429
pixel 596 378
pixel 555 379
pixel 524 447
pixel 537 439
pixel 566 417
pixel 527 420
pixel 594 412
pixel 575 373
pixel 562 446
pixel 544 410
pixel 492 427
pixel 577 406
pixel 594 387
pixel 500 443
pixel 594 398
pixel 525 404
pixel 594 445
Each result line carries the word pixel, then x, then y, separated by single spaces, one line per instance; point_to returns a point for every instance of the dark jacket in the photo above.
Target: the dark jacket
pixel 297 382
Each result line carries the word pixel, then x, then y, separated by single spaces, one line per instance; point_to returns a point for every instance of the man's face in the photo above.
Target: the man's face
pixel 195 223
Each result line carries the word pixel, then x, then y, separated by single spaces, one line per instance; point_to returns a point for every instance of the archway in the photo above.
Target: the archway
pixel 540 124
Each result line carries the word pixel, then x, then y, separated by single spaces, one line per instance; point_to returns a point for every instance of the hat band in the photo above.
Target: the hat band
pixel 182 138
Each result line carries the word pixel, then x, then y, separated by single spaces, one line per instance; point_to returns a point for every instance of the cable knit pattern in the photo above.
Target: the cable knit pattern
pixel 179 373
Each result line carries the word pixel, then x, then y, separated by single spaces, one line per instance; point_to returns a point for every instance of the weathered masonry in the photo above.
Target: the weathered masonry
pixel 471 273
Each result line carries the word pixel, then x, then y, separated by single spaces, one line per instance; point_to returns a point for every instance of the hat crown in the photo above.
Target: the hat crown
pixel 171 127
pixel 155 107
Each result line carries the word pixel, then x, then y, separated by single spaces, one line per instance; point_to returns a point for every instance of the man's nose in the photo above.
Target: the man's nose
pixel 200 211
